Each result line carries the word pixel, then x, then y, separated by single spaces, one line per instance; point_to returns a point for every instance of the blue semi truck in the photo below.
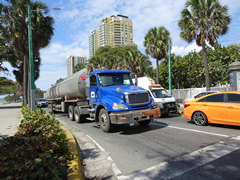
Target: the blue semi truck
pixel 106 96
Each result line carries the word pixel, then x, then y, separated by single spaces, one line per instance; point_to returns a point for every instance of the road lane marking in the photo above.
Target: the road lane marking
pixel 7 116
pixel 114 167
pixel 193 130
pixel 171 169
pixel 183 164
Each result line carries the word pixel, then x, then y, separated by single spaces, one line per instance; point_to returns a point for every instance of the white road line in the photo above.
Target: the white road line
pixel 185 129
pixel 180 165
pixel 183 164
pixel 114 167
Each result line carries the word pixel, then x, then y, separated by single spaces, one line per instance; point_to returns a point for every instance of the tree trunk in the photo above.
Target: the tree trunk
pixel 25 71
pixel 206 68
pixel 157 71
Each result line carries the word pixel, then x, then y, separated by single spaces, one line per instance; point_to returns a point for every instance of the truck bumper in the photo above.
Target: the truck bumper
pixel 134 116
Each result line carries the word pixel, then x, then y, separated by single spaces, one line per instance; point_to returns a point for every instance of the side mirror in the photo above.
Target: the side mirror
pixel 87 81
pixel 136 81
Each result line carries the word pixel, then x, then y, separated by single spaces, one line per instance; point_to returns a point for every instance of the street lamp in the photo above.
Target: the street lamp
pixel 32 87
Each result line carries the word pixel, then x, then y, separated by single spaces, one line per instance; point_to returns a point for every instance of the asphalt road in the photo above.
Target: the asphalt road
pixel 169 148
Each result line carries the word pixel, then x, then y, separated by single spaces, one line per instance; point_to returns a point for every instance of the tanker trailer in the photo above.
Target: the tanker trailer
pixel 107 97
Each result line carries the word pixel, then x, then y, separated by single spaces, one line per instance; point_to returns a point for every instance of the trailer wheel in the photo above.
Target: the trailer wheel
pixel 71 112
pixel 144 123
pixel 104 120
pixel 78 117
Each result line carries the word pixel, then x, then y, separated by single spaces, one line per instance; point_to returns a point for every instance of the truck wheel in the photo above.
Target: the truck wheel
pixel 104 120
pixel 78 117
pixel 144 123
pixel 71 112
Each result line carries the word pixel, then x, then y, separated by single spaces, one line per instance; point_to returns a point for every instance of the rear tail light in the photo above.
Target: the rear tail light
pixel 186 105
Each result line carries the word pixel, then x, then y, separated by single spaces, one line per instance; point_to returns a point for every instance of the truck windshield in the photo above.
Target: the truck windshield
pixel 114 79
pixel 160 93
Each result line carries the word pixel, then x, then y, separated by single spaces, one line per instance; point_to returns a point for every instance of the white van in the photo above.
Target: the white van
pixel 165 101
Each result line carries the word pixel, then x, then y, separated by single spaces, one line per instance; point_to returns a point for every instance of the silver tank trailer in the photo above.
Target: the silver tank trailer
pixel 72 87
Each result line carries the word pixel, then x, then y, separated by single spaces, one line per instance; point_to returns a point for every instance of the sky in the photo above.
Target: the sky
pixel 77 18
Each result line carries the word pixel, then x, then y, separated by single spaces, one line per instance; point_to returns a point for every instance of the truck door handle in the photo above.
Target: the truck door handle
pixel 204 104
pixel 230 107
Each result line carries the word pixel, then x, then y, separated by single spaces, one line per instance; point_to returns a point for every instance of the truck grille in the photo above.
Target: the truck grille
pixel 137 98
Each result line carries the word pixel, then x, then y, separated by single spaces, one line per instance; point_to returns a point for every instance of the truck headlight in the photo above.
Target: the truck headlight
pixel 117 106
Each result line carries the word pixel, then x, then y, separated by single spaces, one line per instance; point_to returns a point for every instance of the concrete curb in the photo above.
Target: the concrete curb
pixel 75 170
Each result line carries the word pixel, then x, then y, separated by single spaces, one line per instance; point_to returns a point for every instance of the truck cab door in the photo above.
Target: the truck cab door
pixel 93 90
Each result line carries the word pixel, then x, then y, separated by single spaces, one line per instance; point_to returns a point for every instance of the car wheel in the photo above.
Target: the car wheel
pixel 144 123
pixel 199 118
pixel 71 112
pixel 104 120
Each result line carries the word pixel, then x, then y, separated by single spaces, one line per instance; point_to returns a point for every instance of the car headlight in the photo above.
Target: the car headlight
pixel 117 106
pixel 160 105
pixel 154 104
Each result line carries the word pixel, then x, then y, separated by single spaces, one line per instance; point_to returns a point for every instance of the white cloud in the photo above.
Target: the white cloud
pixel 76 19
pixel 184 50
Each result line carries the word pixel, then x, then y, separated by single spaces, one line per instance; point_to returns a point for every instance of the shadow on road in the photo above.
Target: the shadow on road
pixel 125 129
pixel 10 107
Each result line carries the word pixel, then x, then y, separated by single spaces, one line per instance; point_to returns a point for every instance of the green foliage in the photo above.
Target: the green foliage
pixel 38 151
pixel 125 57
pixel 39 93
pixel 78 67
pixel 189 71
pixel 204 20
pixel 7 86
pixel 156 42
pixel 12 98
pixel 59 80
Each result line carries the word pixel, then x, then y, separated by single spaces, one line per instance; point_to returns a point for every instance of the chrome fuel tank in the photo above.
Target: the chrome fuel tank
pixel 72 87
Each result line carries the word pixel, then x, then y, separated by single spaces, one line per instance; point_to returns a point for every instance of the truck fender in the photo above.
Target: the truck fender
pixel 108 101
pixel 97 110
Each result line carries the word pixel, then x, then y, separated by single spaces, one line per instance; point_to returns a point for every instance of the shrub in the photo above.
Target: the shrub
pixel 37 151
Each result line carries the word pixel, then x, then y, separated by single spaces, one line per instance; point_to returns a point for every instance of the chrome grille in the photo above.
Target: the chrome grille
pixel 137 98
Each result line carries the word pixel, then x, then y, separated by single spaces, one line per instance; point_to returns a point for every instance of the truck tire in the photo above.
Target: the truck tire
pixel 144 123
pixel 71 112
pixel 104 121
pixel 78 117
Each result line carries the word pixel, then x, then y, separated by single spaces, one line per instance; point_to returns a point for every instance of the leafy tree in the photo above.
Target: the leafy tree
pixel 39 93
pixel 156 43
pixel 59 80
pixel 78 67
pixel 150 72
pixel 126 57
pixel 14 29
pixel 12 98
pixel 204 20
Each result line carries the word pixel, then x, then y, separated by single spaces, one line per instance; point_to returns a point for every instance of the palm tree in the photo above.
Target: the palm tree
pixel 78 67
pixel 14 30
pixel 156 41
pixel 204 20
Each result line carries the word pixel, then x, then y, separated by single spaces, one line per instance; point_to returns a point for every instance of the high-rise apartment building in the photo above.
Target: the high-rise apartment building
pixel 93 42
pixel 72 61
pixel 113 31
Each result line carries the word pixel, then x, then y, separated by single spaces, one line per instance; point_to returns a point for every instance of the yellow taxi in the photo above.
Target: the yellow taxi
pixel 218 108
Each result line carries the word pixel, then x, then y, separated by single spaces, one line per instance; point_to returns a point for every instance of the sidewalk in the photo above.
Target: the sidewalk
pixel 10 118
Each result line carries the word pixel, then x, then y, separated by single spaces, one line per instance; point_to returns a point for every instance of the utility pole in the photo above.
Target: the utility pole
pixel 32 86
pixel 169 69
